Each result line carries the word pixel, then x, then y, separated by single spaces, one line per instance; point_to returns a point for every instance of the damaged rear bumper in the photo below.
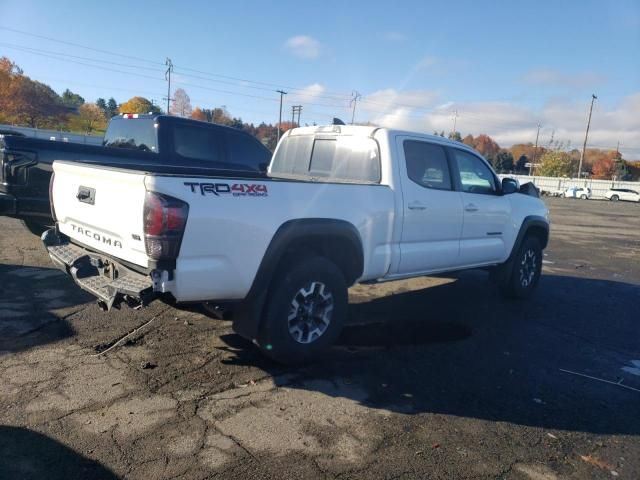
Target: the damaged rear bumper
pixel 110 282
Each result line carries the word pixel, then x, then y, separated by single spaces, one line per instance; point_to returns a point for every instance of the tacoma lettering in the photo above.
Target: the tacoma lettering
pixel 96 236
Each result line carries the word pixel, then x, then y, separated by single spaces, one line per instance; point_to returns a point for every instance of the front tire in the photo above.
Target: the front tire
pixel 615 198
pixel 525 272
pixel 583 197
pixel 305 312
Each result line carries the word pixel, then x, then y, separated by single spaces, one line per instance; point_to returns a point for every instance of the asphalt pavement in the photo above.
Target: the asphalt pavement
pixel 433 378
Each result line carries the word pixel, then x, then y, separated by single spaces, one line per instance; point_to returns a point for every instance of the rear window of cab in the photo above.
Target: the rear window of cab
pixel 337 158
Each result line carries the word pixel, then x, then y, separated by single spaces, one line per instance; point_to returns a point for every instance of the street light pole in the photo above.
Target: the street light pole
pixel 586 135
pixel 535 152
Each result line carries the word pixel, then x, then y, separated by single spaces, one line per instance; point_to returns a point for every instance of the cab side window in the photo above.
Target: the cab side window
pixel 475 175
pixel 427 165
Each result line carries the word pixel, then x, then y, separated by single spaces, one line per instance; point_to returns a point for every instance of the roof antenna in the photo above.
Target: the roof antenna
pixel 337 121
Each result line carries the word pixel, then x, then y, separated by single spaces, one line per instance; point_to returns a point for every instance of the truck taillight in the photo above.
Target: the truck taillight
pixel 164 222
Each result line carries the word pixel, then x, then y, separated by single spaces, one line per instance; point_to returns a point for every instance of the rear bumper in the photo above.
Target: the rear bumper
pixel 8 204
pixel 111 283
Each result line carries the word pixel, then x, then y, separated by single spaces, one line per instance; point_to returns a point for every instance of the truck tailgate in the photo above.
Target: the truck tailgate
pixel 101 208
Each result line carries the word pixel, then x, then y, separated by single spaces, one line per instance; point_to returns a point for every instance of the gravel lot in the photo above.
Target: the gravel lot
pixel 435 377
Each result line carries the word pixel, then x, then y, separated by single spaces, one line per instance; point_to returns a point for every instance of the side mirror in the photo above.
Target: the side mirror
pixel 510 185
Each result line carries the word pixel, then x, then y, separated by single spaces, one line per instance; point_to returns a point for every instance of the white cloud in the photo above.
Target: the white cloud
pixel 395 37
pixel 510 123
pixel 389 98
pixel 555 78
pixel 426 62
pixel 310 93
pixel 303 46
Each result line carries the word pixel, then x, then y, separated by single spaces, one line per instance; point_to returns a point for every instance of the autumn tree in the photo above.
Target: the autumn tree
pixel 468 140
pixel 138 105
pixel 91 118
pixel 37 104
pixel 198 114
pixel 180 104
pixel 486 146
pixel 609 166
pixel 556 164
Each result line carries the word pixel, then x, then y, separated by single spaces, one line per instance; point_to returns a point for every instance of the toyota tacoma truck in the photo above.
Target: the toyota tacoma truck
pixel 339 205
pixel 148 141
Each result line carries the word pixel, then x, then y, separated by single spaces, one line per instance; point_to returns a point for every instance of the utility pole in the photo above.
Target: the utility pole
pixel 167 76
pixel 535 151
pixel 299 113
pixel 281 92
pixel 295 109
pixel 356 96
pixel 586 135
pixel 455 120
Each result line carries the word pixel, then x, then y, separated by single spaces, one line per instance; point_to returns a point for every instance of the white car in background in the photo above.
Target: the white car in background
pixel 583 193
pixel 615 194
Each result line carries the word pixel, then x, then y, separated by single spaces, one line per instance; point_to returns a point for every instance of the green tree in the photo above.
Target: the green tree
pixel 71 100
pixel 112 108
pixel 503 162
pixel 455 136
pixel 520 164
pixel 138 105
pixel 556 164
pixel 102 105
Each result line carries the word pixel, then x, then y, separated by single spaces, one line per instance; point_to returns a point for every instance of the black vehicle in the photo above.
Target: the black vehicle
pixel 165 144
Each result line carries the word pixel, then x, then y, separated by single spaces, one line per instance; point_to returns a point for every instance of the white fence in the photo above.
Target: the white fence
pixel 598 187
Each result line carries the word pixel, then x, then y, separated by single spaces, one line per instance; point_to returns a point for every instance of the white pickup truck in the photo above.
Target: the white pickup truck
pixel 338 205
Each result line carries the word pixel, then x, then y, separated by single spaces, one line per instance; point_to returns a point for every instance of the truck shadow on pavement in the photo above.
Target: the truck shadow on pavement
pixel 25 454
pixel 460 349
pixel 34 302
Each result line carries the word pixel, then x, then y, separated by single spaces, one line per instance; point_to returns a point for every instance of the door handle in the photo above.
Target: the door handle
pixel 417 206
pixel 471 208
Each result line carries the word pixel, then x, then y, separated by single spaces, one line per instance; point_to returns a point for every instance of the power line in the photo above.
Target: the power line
pixel 78 45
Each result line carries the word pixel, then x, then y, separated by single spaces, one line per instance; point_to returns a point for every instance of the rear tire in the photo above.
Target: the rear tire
pixel 34 227
pixel 305 312
pixel 615 198
pixel 562 195
pixel 583 197
pixel 526 269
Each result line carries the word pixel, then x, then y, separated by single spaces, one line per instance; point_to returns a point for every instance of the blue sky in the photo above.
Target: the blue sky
pixel 504 66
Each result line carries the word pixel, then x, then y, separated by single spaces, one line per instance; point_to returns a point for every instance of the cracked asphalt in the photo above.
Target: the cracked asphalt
pixel 434 377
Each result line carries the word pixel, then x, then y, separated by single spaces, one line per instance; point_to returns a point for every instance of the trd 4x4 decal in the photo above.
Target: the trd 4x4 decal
pixel 235 189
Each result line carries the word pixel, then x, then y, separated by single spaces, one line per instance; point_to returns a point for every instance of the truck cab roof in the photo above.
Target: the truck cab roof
pixel 370 131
